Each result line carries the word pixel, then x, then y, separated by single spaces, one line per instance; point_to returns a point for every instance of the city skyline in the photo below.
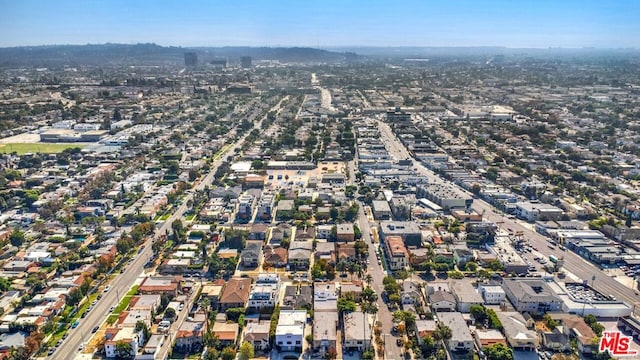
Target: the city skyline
pixel 522 24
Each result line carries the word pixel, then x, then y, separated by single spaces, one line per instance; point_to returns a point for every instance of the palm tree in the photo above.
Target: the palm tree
pixel 341 266
pixel 368 279
pixel 352 269
pixel 359 270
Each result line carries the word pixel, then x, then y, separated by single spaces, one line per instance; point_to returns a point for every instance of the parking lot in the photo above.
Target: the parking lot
pixel 585 293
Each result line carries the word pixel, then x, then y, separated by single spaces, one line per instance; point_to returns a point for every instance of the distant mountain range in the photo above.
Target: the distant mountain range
pixel 462 51
pixel 152 54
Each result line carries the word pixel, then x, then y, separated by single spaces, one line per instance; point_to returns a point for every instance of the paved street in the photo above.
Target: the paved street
pixel 392 351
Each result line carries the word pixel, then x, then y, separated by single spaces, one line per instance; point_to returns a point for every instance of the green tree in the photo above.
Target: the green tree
pixel 173 168
pixel 17 237
pixel 593 323
pixel 498 352
pixel 233 314
pixel 334 213
pixel 141 326
pixel 170 313
pixel 30 196
pixel 470 266
pixel 551 323
pixel 193 175
pixel 123 350
pixel 428 345
pixel 369 295
pixel 75 295
pixel 478 312
pixel 494 321
pixel 346 305
pixel 246 351
pixel 394 299
pixel 5 284
pixel 228 353
pixel 442 332
pixel 495 265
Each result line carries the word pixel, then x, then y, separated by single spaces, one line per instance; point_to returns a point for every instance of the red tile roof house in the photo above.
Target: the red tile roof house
pixel 235 294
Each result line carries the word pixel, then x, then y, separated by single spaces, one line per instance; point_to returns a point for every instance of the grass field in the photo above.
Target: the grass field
pixel 45 148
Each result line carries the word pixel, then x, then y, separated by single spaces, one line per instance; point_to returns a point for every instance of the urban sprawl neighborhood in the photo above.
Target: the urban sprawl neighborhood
pixel 311 204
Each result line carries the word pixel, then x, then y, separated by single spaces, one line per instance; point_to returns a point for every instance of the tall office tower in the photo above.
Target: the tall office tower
pixel 245 62
pixel 190 59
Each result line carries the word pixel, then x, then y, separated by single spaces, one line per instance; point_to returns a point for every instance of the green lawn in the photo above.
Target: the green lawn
pixel 165 217
pixel 190 217
pixel 25 148
pixel 124 303
pixel 221 152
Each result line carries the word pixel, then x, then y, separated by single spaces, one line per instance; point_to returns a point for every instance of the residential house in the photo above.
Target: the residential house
pixel 300 254
pixel 305 297
pixel 279 233
pixel 418 256
pixel 175 266
pixel 326 251
pixel 154 345
pixel 257 334
pixel 289 299
pixel 411 293
pixel 424 328
pixel 285 209
pixel 488 337
pixel 189 337
pixel 556 341
pixel 305 234
pixel 355 289
pixel 325 297
pixel 515 330
pixel 324 231
pixel 127 335
pixel 149 302
pixel 325 331
pixel 235 294
pixel 276 256
pixel 492 294
pixel 461 339
pixel 397 254
pixel 357 331
pixel 259 232
pixel 264 293
pixel 466 295
pixel 213 292
pixel 161 285
pixel 251 256
pixel 290 330
pixel 345 232
pixel 346 252
pixel 575 327
pixel 225 332
pixel 442 301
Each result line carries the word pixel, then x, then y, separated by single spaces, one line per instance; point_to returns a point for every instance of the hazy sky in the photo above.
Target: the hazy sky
pixel 511 23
